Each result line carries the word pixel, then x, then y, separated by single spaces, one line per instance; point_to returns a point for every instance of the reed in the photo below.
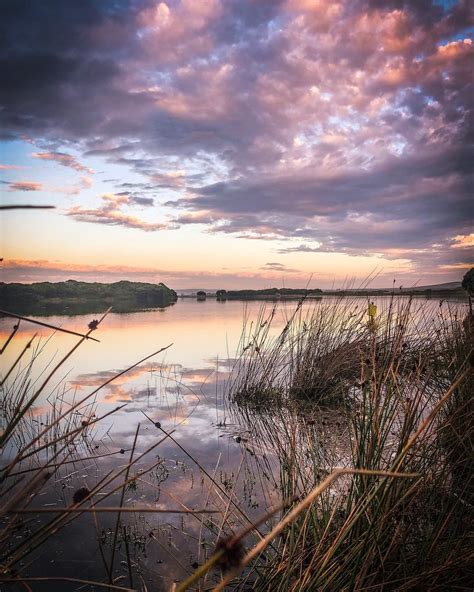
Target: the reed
pixel 40 451
pixel 400 398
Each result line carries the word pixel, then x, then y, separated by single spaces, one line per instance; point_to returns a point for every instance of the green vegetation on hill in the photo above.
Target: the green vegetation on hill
pixel 74 297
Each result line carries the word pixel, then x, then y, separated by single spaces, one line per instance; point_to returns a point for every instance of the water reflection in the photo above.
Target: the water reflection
pixel 231 453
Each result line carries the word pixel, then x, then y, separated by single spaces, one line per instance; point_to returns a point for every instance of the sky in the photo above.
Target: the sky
pixel 237 143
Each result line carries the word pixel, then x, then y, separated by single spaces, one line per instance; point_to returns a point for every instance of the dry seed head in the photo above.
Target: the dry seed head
pixel 233 553
pixel 80 495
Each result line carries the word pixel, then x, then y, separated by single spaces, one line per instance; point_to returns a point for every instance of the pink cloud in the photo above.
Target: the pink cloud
pixel 28 271
pixel 208 94
pixel 463 241
pixel 176 179
pixel 111 214
pixel 343 123
pixel 36 270
pixel 66 160
pixel 25 186
pixel 173 31
pixel 76 188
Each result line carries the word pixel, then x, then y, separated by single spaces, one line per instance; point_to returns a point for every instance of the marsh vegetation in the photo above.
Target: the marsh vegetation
pixel 353 472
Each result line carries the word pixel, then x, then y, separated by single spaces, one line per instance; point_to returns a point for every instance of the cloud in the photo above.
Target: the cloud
pixel 172 33
pixel 25 186
pixel 29 270
pixel 172 180
pixel 141 201
pixel 10 167
pixel 463 241
pixel 63 159
pixel 459 266
pixel 343 126
pixel 300 249
pixel 402 201
pixel 273 266
pixel 37 268
pixel 128 198
pixel 111 214
pixel 196 218
pixel 76 188
pixel 84 182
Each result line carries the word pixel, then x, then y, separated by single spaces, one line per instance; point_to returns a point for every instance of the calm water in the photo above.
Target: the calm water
pixel 182 390
pixel 177 387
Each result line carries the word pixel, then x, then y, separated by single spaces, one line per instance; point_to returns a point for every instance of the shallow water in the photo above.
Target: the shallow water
pixel 181 389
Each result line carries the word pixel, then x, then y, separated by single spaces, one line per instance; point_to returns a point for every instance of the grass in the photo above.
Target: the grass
pixel 400 395
pixel 39 452
pixel 35 453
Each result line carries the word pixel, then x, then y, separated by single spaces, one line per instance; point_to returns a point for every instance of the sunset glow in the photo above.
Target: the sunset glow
pixel 234 144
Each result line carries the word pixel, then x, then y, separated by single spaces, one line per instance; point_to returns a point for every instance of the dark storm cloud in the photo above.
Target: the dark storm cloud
pixel 57 76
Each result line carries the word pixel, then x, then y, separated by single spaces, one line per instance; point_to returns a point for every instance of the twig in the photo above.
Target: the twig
pixel 96 508
pixel 122 497
pixel 66 579
pixel 27 207
pixel 42 324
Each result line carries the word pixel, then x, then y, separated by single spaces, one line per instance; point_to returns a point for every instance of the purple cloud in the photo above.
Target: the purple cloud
pixel 346 125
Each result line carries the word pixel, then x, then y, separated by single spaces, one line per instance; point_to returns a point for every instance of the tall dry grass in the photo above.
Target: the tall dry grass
pixel 386 504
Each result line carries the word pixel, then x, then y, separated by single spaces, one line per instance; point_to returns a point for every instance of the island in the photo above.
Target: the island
pixel 73 297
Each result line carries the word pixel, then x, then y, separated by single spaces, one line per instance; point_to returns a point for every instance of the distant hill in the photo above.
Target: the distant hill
pixel 74 297
pixel 437 287
pixel 436 290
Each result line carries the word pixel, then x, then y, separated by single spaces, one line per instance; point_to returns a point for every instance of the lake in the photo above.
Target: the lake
pixel 210 459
